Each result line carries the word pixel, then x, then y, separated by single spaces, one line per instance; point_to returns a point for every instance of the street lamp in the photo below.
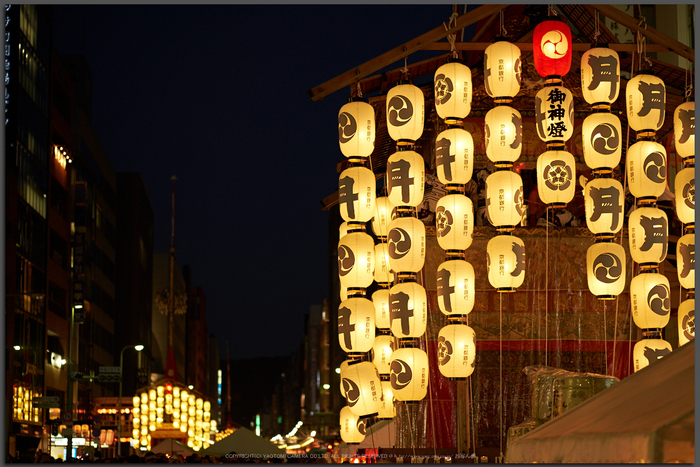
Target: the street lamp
pixel 138 348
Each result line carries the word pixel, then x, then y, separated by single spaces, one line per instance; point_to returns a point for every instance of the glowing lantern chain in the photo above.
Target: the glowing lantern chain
pixel 454 218
pixel 684 137
pixel 602 149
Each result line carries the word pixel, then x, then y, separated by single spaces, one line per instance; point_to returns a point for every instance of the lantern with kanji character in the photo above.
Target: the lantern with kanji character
pixel 686 321
pixel 409 374
pixel 352 429
pixel 502 70
pixel 456 351
pixel 382 271
pixel 648 235
pixel 600 76
pixel 602 140
pixel 684 129
pixel 405 175
pixel 685 195
pixel 554 114
pixel 650 296
pixel 646 169
pixel 356 325
pixel 408 310
pixel 356 259
pixel 505 260
pixel 606 266
pixel 551 48
pixel 363 391
pixel 454 154
pixel 356 194
pixel 454 222
pixel 604 202
pixel 649 350
pixel 387 410
pixel 382 315
pixel 646 103
pixel 382 216
pixel 685 260
pixel 406 244
pixel 381 350
pixel 504 199
pixel 556 177
pixel 356 128
pixel 455 287
pixel 453 90
pixel 503 131
pixel 405 109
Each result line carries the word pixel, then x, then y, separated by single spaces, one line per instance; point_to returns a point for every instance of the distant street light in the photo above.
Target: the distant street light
pixel 138 348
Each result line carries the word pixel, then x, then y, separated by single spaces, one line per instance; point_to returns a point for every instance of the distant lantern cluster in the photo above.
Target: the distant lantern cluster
pixel 188 413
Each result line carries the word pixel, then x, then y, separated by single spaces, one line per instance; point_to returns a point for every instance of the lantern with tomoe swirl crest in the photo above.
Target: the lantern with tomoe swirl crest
pixel 356 131
pixel 602 140
pixel 453 90
pixel 551 48
pixel 456 351
pixel 606 266
pixel 650 296
pixel 352 429
pixel 405 109
pixel 409 374
pixel 646 169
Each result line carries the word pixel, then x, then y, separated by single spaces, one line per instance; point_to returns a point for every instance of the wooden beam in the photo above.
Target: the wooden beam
pixel 651 33
pixel 527 46
pixel 397 53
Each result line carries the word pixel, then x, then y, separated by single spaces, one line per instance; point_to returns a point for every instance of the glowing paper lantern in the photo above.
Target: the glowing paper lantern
pixel 650 295
pixel 554 114
pixel 685 257
pixel 556 177
pixel 408 305
pixel 646 103
pixel 455 287
pixel 686 321
pixel 648 351
pixel 356 194
pixel 648 235
pixel 406 244
pixel 356 260
pixel 454 221
pixel 606 266
pixel 685 195
pixel 387 410
pixel 409 374
pixel 382 315
pixel 362 388
pixel 454 154
pixel 505 259
pixel 504 199
pixel 551 48
pixel 684 129
pixel 600 76
pixel 502 70
pixel 456 351
pixel 602 140
pixel 382 216
pixel 503 131
pixel 604 201
pixel 405 111
pixel 356 131
pixel 352 429
pixel 382 270
pixel 405 175
pixel 453 90
pixel 356 325
pixel 646 169
pixel 382 348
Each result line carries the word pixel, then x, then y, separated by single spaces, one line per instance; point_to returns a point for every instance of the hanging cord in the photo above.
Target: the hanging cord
pixel 404 70
pixel 359 90
pixel 688 83
pixel 546 291
pixel 642 44
pixel 472 417
pixel 551 11
pixel 500 364
pixel 596 34
pixel 430 393
pixel 504 33
pixel 451 38
pixel 605 337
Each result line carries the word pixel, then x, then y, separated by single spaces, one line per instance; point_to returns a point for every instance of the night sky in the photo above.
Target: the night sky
pixel 217 95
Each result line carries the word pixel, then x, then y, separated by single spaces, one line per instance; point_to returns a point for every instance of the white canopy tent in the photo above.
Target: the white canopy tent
pixel 648 417
pixel 172 446
pixel 244 443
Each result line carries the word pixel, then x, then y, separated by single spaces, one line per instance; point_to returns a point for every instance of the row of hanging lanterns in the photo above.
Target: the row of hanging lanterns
pixel 183 410
pixel 454 218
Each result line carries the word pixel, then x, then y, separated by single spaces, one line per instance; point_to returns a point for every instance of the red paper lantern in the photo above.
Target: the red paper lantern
pixel 551 48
